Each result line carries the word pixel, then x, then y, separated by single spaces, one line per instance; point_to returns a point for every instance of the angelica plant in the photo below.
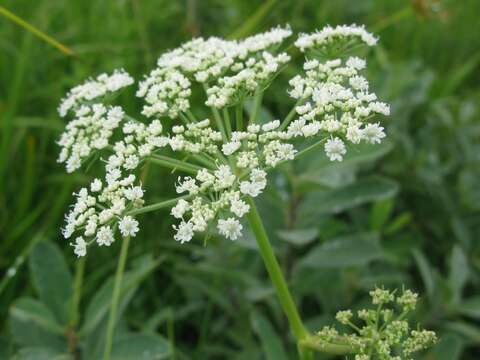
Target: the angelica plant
pixel 224 158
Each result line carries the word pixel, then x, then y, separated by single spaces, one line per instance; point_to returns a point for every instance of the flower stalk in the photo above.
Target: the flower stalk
pixel 115 298
pixel 276 276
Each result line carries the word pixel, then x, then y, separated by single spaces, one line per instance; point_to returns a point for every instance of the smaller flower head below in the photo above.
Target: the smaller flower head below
pixel 385 333
pixel 329 36
pixel 97 213
pixel 93 89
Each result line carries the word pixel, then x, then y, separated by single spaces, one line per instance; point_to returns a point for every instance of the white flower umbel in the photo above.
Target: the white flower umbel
pixel 226 156
pixel 333 35
pixel 93 89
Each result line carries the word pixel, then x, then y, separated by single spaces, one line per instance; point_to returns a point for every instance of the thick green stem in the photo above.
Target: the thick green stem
pixel 275 273
pixel 117 286
pixel 174 164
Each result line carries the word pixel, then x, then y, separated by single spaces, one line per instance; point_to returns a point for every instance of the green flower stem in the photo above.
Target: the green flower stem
pixel 228 125
pixel 158 206
pixel 201 158
pixel 320 345
pixel 191 116
pixel 174 164
pixel 289 116
pixel 310 148
pixel 77 291
pixel 115 298
pixel 239 116
pixel 219 122
pixel 275 273
pixel 257 102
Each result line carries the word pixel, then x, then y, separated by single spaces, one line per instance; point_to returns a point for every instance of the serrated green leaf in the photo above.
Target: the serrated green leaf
pixel 352 250
pixel 271 342
pixel 51 278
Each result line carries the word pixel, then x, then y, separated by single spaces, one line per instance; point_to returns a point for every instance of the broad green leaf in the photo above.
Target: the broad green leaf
pixel 298 236
pixel 140 347
pixel 31 324
pixel 459 273
pixel 337 200
pixel 271 342
pixel 468 332
pixel 51 278
pixel 32 311
pixel 380 213
pixel 5 347
pixel 470 307
pixel 351 250
pixel 40 353
pixel 426 272
pixel 98 307
pixel 449 347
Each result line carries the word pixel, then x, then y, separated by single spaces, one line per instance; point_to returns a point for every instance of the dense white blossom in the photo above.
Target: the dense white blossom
pixel 94 88
pixel 329 35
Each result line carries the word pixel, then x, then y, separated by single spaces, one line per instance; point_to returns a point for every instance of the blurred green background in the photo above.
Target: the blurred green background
pixel 404 213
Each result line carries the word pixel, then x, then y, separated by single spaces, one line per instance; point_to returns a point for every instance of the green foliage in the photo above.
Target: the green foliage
pixel 405 213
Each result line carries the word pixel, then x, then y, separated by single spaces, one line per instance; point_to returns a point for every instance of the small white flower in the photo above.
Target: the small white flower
pixel 180 209
pixel 80 247
pixel 184 232
pixel 230 228
pixel 105 236
pixel 96 185
pixel 373 133
pixel 128 226
pixel 239 207
pixel 230 147
pixel 335 149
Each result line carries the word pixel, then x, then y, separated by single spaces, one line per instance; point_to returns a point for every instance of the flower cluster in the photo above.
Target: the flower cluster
pixel 93 89
pixel 229 70
pixel 226 156
pixel 385 335
pixel 97 213
pixel 90 130
pixel 334 98
pixel 338 35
